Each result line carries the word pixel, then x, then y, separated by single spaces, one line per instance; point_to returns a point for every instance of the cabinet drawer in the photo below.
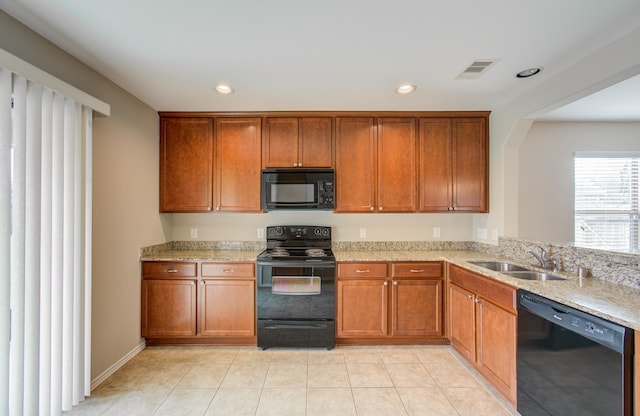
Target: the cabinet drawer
pixel 498 293
pixel 411 269
pixel 228 270
pixel 362 270
pixel 164 269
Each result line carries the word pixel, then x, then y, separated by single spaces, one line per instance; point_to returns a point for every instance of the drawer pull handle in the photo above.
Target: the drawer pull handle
pixel 363 271
pixel 171 271
pixel 228 270
pixel 417 270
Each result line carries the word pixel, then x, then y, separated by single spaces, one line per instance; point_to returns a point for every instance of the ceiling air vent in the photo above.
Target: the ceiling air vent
pixel 477 68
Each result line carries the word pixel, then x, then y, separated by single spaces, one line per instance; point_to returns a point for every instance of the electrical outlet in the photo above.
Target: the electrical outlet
pixel 363 232
pixel 260 232
pixel 494 234
pixel 194 232
pixel 482 233
pixel 436 232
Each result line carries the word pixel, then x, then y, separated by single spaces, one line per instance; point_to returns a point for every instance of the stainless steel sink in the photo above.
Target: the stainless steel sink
pixel 499 266
pixel 531 275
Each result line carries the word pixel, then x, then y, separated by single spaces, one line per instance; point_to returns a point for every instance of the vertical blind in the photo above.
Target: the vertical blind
pixel 45 235
pixel 606 200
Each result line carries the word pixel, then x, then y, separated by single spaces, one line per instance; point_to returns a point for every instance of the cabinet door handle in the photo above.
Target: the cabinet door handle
pixel 371 209
pixel 477 300
pixel 395 283
pixel 470 296
pixel 171 271
pixel 363 271
pixel 417 270
pixel 385 283
pixel 380 209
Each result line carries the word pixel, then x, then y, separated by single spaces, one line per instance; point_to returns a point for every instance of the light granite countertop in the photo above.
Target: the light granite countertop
pixel 203 255
pixel 615 302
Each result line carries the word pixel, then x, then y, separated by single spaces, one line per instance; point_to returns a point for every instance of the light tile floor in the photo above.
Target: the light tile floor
pixel 238 381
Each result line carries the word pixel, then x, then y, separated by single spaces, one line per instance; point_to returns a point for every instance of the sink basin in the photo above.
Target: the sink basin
pixel 531 275
pixel 499 266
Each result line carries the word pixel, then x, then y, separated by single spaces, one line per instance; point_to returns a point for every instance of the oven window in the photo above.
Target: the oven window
pixel 295 285
pixel 293 192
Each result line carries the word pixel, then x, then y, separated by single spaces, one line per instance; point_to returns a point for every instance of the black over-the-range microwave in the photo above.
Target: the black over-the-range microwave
pixel 297 189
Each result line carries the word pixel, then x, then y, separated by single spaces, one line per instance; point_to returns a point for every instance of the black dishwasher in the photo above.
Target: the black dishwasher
pixel 570 362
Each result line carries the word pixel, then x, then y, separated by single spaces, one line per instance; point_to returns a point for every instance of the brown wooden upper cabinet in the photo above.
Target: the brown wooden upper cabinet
pixel 292 142
pixel 376 164
pixel 237 164
pixel 186 164
pixel 453 165
pixel 200 170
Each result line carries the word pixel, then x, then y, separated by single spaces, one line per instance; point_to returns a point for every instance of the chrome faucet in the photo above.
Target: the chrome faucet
pixel 543 258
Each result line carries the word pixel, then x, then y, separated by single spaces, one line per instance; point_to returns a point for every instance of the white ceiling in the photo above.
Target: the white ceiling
pixel 335 54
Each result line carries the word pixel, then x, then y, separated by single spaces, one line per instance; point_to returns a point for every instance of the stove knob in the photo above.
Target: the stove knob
pixel 325 232
pixel 317 231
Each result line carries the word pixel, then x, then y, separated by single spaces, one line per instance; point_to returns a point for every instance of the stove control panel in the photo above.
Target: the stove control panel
pixel 298 232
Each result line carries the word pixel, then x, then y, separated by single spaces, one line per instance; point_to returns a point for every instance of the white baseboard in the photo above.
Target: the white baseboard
pixel 115 367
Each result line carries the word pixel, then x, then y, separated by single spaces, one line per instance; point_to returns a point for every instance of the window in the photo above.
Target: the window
pixel 606 200
pixel 45 240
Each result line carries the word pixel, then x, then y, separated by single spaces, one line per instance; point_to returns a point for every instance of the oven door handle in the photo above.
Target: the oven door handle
pixel 297 326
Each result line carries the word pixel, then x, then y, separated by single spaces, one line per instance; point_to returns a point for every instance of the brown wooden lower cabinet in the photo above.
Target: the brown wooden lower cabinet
pixel 482 326
pixel 637 373
pixel 216 307
pixel 386 303
pixel 228 307
pixel 168 308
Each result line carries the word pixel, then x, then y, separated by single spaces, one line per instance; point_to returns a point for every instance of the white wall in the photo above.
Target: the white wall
pixel 125 189
pixel 346 227
pixel 510 123
pixel 546 172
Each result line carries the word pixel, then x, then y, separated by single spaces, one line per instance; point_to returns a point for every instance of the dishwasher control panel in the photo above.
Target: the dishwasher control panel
pixel 592 327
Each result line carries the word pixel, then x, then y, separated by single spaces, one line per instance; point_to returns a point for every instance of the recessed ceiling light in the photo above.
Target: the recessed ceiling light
pixel 526 73
pixel 224 89
pixel 406 89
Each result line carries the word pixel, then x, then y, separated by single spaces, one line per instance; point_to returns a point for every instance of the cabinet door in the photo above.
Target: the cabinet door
pixel 397 175
pixel 436 189
pixel 496 346
pixel 280 145
pixel 462 321
pixel 355 165
pixel 416 308
pixel 316 142
pixel 238 164
pixel 228 307
pixel 168 308
pixel 470 165
pixel 186 164
pixel 362 308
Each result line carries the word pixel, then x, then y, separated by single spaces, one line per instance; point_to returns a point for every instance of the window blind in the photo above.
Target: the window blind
pixel 606 200
pixel 45 246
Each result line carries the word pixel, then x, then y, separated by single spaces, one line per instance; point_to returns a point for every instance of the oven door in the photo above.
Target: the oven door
pixel 296 291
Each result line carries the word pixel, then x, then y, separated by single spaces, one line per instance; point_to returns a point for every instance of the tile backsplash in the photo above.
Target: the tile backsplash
pixel 620 268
